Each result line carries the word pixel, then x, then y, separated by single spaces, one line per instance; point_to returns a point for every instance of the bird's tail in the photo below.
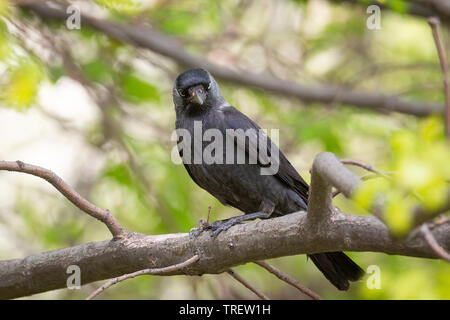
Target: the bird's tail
pixel 337 268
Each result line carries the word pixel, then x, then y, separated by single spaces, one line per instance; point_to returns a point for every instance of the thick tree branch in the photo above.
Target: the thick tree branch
pixel 141 36
pixel 103 215
pixel 271 238
pixel 328 172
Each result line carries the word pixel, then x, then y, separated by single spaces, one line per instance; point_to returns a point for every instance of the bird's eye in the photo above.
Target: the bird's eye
pixel 209 86
pixel 180 92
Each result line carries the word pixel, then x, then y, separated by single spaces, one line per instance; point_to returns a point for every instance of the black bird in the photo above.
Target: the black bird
pixel 198 101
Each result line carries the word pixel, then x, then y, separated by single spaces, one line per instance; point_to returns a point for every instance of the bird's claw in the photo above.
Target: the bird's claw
pixel 194 232
pixel 202 226
pixel 216 227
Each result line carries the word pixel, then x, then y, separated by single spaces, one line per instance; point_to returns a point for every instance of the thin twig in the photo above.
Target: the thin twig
pixel 156 271
pixel 434 23
pixel 209 214
pixel 73 196
pixel 247 285
pixel 421 215
pixel 429 238
pixel 365 177
pixel 284 277
pixel 365 166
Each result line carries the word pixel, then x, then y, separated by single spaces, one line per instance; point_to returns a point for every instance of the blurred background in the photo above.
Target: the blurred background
pixel 98 112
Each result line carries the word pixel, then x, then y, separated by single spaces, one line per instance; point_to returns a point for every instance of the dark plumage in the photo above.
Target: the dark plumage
pixel 197 98
pixel 192 77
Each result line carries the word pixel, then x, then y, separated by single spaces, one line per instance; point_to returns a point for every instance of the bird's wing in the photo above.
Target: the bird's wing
pixel 234 119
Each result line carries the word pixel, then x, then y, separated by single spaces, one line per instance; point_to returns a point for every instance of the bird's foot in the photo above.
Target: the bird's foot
pixel 222 225
pixel 202 226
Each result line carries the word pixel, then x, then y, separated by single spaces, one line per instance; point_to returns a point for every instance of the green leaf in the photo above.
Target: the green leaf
pixel 22 87
pixel 137 90
pixel 119 173
pixel 55 72
pixel 98 70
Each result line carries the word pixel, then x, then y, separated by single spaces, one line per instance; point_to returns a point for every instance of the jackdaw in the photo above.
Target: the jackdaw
pixel 199 104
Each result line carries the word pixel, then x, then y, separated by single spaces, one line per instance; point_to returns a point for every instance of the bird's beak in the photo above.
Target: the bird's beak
pixel 197 94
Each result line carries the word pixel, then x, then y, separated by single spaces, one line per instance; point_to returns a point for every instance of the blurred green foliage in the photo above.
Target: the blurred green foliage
pixel 23 72
pixel 419 160
pixel 148 193
pixel 137 90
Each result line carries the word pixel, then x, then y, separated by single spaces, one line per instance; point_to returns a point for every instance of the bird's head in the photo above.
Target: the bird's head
pixel 195 90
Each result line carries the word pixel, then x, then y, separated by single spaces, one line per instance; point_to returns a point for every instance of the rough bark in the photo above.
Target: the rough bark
pixel 284 236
